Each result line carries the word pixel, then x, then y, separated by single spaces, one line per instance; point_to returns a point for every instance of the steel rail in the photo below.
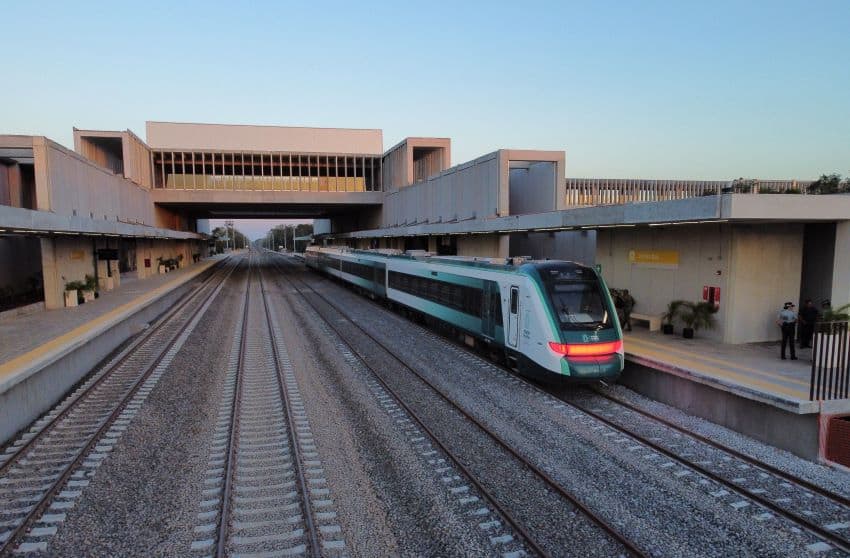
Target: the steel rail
pixel 309 518
pixel 593 516
pixel 70 405
pixel 14 538
pixel 803 483
pixel 229 465
pixel 840 542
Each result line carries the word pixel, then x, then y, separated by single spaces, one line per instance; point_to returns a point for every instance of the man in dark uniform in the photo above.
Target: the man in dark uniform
pixel 787 320
pixel 628 305
pixel 808 317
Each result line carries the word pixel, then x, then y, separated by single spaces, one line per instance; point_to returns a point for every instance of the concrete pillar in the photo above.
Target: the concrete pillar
pixel 504 245
pixel 54 287
pixel 432 244
pixel 841 265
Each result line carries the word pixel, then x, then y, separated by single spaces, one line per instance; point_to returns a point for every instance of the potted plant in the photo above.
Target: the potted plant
pixel 696 316
pixel 72 293
pixel 161 264
pixel 830 331
pixel 673 309
pixel 89 288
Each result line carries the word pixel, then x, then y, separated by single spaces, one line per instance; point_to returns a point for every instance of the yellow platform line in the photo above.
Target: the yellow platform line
pixel 13 366
pixel 719 361
pixel 726 374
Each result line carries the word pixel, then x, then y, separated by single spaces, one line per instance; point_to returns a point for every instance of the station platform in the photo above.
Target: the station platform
pixel 45 353
pixel 745 387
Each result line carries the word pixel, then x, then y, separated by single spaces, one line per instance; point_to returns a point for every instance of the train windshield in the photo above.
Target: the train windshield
pixel 577 297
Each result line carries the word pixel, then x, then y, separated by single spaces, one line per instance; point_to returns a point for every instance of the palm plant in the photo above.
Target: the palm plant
pixel 840 314
pixel 674 307
pixel 698 315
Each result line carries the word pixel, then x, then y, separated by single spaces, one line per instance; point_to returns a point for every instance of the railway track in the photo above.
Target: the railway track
pixel 824 514
pixel 45 470
pixel 265 476
pixel 606 530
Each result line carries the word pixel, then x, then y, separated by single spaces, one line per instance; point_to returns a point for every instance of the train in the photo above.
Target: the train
pixel 550 320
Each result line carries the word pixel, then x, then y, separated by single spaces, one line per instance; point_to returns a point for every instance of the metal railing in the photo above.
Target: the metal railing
pixel 830 363
pixel 604 191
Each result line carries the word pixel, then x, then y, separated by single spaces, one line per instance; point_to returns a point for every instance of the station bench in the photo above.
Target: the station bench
pixel 653 319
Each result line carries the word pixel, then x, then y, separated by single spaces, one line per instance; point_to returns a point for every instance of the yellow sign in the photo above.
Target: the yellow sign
pixel 654 258
pixel 77 254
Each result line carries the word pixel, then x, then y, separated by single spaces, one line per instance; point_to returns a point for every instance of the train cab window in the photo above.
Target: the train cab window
pixel 514 301
pixel 577 297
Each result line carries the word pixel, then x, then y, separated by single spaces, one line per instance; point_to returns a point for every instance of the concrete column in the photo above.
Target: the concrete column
pixel 504 245
pixel 432 244
pixel 841 265
pixel 54 288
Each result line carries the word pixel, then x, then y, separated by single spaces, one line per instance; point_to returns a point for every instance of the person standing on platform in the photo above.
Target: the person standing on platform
pixel 808 317
pixel 787 320
pixel 628 305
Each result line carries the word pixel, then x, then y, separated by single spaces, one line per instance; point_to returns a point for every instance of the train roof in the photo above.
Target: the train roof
pixel 512 264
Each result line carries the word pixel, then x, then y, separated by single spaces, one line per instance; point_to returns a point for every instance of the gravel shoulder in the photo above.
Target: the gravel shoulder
pixel 143 499
pixel 654 500
pixel 391 499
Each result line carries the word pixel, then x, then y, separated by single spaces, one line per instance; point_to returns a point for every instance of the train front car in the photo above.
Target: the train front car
pixel 578 335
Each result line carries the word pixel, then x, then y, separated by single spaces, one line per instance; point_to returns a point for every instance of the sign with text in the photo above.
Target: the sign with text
pixel 664 259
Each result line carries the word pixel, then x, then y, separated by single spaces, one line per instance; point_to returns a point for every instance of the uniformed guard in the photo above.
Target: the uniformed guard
pixel 787 320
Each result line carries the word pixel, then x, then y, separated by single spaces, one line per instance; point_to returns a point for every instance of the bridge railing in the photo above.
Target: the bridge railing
pixel 602 191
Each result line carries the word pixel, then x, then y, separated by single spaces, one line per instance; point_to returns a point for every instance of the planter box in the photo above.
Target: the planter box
pixel 161 269
pixel 88 296
pixel 71 298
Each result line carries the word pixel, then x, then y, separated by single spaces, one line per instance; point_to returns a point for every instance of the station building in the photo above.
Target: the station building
pixel 117 204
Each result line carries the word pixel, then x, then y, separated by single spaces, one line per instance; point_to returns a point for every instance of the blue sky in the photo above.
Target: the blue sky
pixel 648 89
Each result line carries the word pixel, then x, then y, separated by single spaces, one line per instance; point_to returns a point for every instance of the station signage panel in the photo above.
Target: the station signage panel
pixel 664 259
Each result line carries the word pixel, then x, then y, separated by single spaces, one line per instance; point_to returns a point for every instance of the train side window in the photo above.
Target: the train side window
pixel 514 301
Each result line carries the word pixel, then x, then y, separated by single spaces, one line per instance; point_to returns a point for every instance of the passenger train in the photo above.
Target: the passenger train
pixel 551 319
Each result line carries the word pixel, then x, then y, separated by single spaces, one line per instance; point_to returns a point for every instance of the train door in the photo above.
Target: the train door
pixel 513 318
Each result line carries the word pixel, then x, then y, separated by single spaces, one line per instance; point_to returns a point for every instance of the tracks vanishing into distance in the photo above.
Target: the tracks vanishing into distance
pixel 536 537
pixel 44 471
pixel 267 492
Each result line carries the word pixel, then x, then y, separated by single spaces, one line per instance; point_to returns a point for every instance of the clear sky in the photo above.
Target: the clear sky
pixel 649 89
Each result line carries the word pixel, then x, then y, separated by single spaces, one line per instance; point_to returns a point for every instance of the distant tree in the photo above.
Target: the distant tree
pixel 828 184
pixel 743 185
pixel 223 240
pixel 284 235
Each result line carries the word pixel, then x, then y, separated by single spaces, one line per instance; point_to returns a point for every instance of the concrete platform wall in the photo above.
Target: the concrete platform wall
pixel 797 433
pixel 26 401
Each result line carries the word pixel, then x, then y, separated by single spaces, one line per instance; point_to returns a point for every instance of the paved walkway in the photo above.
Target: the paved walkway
pixel 751 368
pixel 25 338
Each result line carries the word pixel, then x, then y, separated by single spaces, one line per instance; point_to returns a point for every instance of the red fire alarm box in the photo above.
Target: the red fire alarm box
pixel 712 295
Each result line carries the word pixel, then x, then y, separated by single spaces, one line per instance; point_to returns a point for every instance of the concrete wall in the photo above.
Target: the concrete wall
pixel 69 184
pixel 533 189
pixel 478 189
pixel 65 259
pixel 766 268
pixel 197 137
pixel 483 245
pixel 462 192
pixel 757 268
pixel 703 251
pixel 577 246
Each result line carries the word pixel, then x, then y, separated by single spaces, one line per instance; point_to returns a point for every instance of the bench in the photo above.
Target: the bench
pixel 653 319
